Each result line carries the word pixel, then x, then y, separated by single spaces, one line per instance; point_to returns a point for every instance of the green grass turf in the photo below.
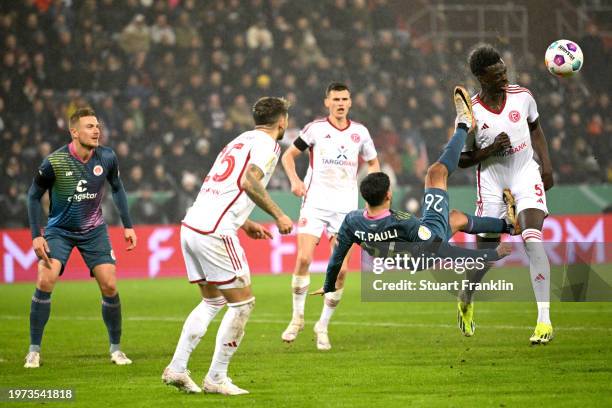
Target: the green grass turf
pixel 384 354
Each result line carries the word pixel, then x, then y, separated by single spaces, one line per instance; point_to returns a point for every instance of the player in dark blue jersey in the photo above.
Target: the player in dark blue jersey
pixel 378 223
pixel 75 177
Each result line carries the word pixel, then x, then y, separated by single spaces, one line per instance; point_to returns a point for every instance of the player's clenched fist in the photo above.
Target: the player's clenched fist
pixel 501 142
pixel 284 224
pixel 504 249
pixel 298 188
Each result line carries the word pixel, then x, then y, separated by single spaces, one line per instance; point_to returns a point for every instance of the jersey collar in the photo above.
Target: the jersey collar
pixel 348 124
pixel 74 154
pixel 380 216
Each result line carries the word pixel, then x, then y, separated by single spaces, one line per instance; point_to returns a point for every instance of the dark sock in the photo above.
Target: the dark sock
pixel 452 150
pixel 477 225
pixel 111 313
pixel 39 315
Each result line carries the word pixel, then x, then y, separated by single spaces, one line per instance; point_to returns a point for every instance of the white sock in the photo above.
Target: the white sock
pixel 194 328
pixel 539 269
pixel 299 285
pixel 331 300
pixel 229 336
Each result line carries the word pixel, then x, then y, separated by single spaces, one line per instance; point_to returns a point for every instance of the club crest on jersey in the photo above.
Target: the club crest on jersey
pixel 355 137
pixel 514 116
pixel 302 222
pixel 98 170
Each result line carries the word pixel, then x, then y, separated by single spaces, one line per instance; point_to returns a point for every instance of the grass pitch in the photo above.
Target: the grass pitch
pixel 384 354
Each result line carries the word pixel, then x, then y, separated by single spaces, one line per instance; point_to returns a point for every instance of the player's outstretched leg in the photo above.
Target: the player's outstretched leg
pixel 464 122
pixel 195 327
pixel 229 336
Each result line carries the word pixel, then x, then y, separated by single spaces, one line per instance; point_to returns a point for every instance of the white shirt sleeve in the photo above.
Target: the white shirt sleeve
pixel 532 109
pixel 367 151
pixel 307 134
pixel 263 155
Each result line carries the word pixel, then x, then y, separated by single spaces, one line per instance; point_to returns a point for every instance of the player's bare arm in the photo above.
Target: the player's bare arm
pixel 297 185
pixel 255 230
pixel 472 158
pixel 538 141
pixel 251 184
pixel 373 165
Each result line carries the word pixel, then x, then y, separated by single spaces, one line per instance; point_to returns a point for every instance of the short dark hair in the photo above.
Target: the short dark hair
pixel 81 112
pixel 268 110
pixel 374 187
pixel 481 57
pixel 336 86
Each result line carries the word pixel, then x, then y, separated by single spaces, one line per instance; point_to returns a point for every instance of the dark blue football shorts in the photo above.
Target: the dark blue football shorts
pixel 94 246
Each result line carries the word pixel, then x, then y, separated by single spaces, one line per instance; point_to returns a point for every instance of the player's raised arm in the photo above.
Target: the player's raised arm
pixel 472 158
pixel 251 184
pixel 297 185
pixel 538 141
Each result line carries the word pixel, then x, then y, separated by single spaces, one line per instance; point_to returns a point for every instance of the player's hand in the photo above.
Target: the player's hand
pixel 298 188
pixel 257 231
pixel 547 179
pixel 501 142
pixel 504 249
pixel 130 237
pixel 284 224
pixel 319 292
pixel 41 249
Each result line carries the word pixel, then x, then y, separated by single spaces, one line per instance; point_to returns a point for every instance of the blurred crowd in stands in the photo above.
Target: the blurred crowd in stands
pixel 173 80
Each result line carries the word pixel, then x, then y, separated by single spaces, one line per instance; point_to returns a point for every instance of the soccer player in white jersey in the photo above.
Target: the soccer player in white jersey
pixel 329 191
pixel 213 256
pixel 509 180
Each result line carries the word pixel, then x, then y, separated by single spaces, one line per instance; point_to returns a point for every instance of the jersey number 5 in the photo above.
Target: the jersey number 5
pixel 433 200
pixel 228 159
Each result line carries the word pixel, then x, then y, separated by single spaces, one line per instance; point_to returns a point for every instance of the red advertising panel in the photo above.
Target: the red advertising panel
pixel 159 252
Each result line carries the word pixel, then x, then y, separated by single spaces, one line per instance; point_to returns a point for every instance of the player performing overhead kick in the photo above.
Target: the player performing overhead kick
pixel 435 228
pixel 75 176
pixel 329 192
pixel 506 135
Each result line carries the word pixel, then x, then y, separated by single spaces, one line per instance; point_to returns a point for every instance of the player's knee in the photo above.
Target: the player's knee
pixel 46 283
pixel 108 288
pixel 304 260
pixel 437 171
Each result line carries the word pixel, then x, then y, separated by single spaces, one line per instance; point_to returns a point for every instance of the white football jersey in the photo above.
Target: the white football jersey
pixel 331 180
pixel 222 206
pixel 514 116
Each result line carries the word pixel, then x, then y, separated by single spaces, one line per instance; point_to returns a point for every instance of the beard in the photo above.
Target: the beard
pixel 281 134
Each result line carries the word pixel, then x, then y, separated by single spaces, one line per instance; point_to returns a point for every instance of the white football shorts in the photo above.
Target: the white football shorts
pixel 527 189
pixel 214 259
pixel 313 221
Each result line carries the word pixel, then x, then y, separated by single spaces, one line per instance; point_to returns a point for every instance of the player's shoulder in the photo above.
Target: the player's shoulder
pixel 105 150
pixel 358 125
pixel 515 89
pixel 62 151
pixel 354 217
pixel 317 122
pixel 401 215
